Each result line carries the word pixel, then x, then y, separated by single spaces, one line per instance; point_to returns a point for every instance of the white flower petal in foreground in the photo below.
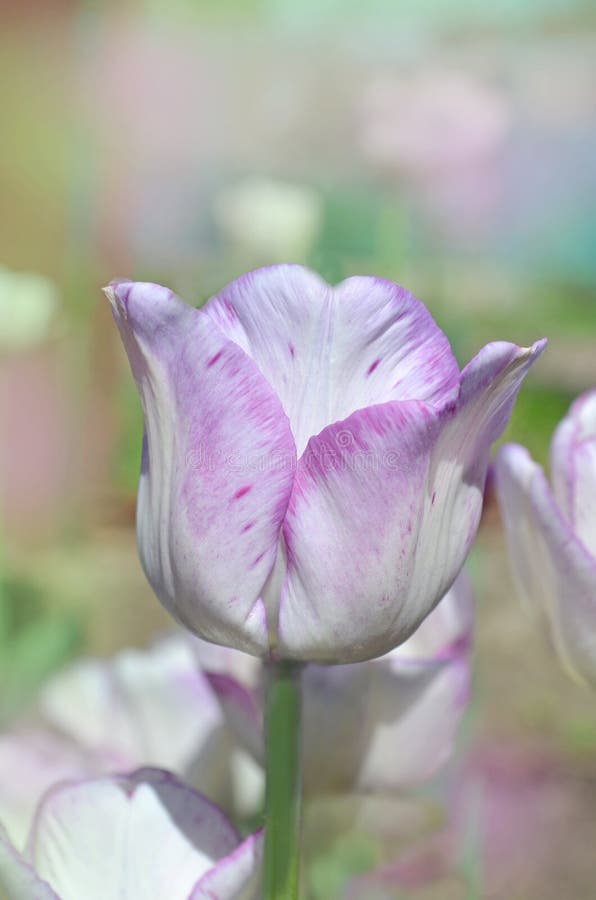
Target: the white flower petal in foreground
pixel 314 464
pixel 140 837
pixel 551 534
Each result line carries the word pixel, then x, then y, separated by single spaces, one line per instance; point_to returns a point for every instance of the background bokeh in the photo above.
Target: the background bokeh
pixel 449 145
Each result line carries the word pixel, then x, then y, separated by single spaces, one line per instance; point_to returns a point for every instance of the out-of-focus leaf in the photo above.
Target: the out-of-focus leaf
pixel 352 855
pixel 31 656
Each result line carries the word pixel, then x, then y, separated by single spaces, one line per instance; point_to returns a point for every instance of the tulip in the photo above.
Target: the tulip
pixel 311 480
pixel 551 534
pixel 116 715
pixel 144 835
pixel 385 725
pixel 314 460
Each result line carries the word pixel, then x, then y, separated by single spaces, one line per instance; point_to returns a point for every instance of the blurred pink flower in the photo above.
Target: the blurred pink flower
pixel 510 814
pixel 441 133
pixel 144 835
pixel 433 121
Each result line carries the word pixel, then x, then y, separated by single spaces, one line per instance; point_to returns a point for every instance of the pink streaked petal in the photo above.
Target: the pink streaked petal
pixel 329 351
pixel 237 876
pixel 573 464
pixel 351 534
pixel 146 836
pixel 217 471
pixel 552 567
pixel 453 500
pixel 18 880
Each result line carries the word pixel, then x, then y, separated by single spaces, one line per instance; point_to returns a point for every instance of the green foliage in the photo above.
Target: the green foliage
pixel 127 455
pixel 33 644
pixel 536 414
pixel 350 856
pixel 363 231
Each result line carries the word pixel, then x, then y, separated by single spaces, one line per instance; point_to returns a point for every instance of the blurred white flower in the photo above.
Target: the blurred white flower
pixel 28 302
pixel 275 220
pixel 138 708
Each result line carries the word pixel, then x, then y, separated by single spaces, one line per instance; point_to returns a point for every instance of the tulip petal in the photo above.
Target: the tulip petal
pixel 447 632
pixel 383 727
pixel 31 761
pixel 573 464
pixel 18 881
pixel 329 351
pixel 237 877
pixel 241 710
pixel 351 533
pixel 131 705
pixel 217 467
pixel 384 509
pixel 553 570
pixel 390 723
pixel 145 836
pixel 454 496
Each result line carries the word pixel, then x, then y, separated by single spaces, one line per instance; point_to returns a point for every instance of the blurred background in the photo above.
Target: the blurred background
pixel 449 146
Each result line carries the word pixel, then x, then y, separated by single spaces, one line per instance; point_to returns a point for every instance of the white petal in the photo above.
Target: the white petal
pixel 573 460
pixel 391 723
pixel 141 837
pixel 553 570
pixel 237 877
pixel 128 707
pixel 328 351
pixel 242 711
pixel 18 881
pixel 31 761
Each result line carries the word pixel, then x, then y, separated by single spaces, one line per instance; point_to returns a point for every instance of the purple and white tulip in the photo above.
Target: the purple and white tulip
pixel 314 459
pixel 145 836
pixel 385 725
pixel 551 533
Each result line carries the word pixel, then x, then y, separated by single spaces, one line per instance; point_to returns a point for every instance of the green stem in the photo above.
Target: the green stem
pixel 281 864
